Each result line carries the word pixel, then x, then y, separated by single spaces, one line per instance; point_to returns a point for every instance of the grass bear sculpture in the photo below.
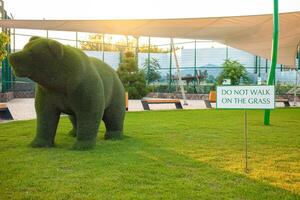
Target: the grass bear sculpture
pixel 68 81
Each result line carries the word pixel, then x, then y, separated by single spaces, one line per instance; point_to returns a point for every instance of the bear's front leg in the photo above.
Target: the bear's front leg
pixel 47 121
pixel 87 129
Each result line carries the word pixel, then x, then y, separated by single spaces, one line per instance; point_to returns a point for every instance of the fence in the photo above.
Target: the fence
pixel 6 73
pixel 200 61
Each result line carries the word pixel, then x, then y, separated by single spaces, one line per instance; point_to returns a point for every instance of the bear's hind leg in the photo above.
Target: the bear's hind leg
pixel 114 120
pixel 74 124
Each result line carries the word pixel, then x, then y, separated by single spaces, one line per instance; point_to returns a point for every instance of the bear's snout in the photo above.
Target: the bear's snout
pixel 19 62
pixel 14 59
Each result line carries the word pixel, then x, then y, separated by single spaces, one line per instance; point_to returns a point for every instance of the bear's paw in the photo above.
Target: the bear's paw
pixel 84 145
pixel 113 135
pixel 38 143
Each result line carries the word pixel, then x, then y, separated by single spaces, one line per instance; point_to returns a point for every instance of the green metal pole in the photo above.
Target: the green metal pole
pixel 259 66
pixel 170 68
pixel 2 63
pixel 195 66
pixel 299 57
pixel 137 51
pixel 6 73
pixel 255 68
pixel 6 70
pixel 3 71
pixel 3 76
pixel 271 77
pixel 10 74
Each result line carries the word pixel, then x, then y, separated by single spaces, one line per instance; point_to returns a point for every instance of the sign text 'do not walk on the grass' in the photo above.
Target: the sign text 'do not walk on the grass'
pixel 245 97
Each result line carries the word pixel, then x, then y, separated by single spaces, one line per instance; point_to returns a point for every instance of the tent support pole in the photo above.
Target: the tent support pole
pixel 148 63
pixel 271 77
pixel 76 39
pixel 137 49
pixel 102 47
pixel 170 68
pixel 195 68
pixel 226 52
pixel 178 74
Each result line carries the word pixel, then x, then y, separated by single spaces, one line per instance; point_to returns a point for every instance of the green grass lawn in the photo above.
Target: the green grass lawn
pixel 189 154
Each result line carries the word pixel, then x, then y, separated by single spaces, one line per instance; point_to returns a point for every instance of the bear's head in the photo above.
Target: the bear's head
pixel 46 62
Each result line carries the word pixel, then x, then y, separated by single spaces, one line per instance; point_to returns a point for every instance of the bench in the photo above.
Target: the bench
pixel 212 97
pixel 126 101
pixel 285 101
pixel 4 112
pixel 146 102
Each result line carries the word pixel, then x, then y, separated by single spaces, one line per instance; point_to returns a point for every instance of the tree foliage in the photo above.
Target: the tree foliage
pixel 95 42
pixel 132 78
pixel 234 71
pixel 4 40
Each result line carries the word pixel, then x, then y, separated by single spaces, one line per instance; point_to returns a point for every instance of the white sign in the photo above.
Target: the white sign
pixel 246 97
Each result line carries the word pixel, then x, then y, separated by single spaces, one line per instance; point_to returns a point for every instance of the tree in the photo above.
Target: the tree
pixel 4 40
pixel 151 67
pixel 132 78
pixel 234 71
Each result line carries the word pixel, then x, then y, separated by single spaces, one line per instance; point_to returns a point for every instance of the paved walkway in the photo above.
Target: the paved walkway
pixel 23 109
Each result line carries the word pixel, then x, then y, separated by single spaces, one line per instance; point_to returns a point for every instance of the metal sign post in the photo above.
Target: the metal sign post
pixel 295 87
pixel 246 140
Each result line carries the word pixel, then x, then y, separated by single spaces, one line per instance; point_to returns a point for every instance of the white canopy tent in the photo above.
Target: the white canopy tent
pixel 249 33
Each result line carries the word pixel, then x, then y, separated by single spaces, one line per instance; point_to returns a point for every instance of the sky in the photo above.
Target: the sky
pixel 132 9
pixel 135 9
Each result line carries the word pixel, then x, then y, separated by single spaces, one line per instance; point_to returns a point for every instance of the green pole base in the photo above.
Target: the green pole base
pixel 267 117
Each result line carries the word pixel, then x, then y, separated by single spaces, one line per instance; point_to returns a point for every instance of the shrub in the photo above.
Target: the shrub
pixel 132 78
pixel 4 40
pixel 234 71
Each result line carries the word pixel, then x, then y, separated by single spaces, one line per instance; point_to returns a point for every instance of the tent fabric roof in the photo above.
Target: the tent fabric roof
pixel 249 33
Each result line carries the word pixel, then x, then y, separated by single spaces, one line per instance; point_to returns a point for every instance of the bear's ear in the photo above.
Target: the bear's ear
pixel 56 49
pixel 34 38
